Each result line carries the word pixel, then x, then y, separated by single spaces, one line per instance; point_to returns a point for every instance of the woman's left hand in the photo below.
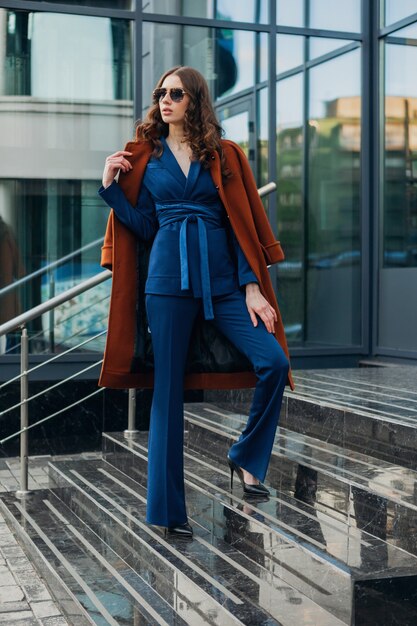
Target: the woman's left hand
pixel 258 305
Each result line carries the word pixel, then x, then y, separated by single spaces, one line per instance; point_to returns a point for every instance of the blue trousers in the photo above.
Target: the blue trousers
pixel 171 320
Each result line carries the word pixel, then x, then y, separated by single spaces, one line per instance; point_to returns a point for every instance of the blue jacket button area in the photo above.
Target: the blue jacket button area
pixel 213 157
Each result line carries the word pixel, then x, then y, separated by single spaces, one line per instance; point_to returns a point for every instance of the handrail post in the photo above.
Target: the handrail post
pixel 131 415
pixel 24 414
pixel 51 313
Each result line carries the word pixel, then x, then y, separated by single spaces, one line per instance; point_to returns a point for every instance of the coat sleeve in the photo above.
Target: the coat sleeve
pixel 271 247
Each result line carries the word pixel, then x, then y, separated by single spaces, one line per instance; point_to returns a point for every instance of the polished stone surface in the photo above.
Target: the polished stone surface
pixel 370 493
pixel 372 410
pixel 315 554
pixel 390 392
pixel 226 559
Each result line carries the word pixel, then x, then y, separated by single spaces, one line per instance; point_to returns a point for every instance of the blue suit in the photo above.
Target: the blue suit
pixel 195 263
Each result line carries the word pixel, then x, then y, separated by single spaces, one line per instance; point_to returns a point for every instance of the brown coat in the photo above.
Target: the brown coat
pixel 119 253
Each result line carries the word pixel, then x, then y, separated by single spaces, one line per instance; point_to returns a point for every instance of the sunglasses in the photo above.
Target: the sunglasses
pixel 176 94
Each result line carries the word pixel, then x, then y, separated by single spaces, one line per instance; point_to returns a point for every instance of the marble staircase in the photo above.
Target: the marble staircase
pixel 335 543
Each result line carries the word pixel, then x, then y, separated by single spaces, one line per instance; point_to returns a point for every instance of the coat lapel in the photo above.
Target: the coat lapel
pixel 131 181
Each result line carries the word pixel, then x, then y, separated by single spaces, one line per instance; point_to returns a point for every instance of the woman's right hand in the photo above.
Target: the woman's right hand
pixel 114 163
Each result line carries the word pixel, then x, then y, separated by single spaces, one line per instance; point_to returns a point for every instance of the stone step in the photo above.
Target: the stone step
pixel 370 410
pixel 91 583
pixel 339 567
pixel 225 570
pixel 363 491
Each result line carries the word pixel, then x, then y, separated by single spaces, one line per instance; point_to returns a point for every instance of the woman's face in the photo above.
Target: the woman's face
pixel 173 112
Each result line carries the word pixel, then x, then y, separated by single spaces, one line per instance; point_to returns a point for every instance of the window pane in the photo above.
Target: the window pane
pixel 64 109
pixel 254 11
pixel 396 10
pixel 263 137
pixel 107 4
pixel 400 158
pixel 290 52
pixel 290 274
pixel 224 56
pixel 236 127
pixel 333 275
pixel 41 59
pixel 249 11
pixel 290 13
pixel 323 45
pixel 324 15
pixel 263 56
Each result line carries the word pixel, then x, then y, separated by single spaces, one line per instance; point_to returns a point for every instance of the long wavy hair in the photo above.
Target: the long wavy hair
pixel 202 130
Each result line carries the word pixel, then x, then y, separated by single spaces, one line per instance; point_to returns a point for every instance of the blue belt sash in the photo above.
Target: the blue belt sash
pixel 170 212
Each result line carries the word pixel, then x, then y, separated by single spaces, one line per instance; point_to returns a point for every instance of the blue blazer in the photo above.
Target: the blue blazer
pixel 195 251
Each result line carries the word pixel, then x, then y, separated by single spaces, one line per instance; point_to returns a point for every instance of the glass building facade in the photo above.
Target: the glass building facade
pixel 323 101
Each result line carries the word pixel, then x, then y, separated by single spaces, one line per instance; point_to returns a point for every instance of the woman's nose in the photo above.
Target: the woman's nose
pixel 167 97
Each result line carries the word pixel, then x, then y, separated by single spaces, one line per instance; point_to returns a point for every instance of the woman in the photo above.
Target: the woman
pixel 194 195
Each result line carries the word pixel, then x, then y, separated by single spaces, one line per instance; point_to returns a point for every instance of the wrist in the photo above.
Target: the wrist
pixel 251 287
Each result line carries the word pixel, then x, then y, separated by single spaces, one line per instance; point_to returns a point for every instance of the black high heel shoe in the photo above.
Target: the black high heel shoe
pixel 258 490
pixel 184 531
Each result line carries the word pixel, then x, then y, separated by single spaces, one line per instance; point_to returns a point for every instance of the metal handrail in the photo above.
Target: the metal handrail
pixel 53 358
pixel 27 427
pixel 40 333
pixel 266 189
pixel 50 266
pixel 21 321
pixel 50 304
pixel 54 386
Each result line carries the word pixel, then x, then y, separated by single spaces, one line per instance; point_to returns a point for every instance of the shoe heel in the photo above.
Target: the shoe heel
pixel 231 477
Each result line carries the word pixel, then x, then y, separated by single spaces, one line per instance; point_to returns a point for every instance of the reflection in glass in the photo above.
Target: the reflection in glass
pixel 400 159
pixel 234 54
pixel 253 11
pixel 323 45
pixel 236 127
pixel 396 10
pixel 262 41
pixel 225 57
pixel 290 52
pixel 290 13
pixel 41 221
pixel 290 279
pixel 324 15
pixel 40 58
pixel 263 137
pixel 65 108
pixel 333 273
pixel 126 5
